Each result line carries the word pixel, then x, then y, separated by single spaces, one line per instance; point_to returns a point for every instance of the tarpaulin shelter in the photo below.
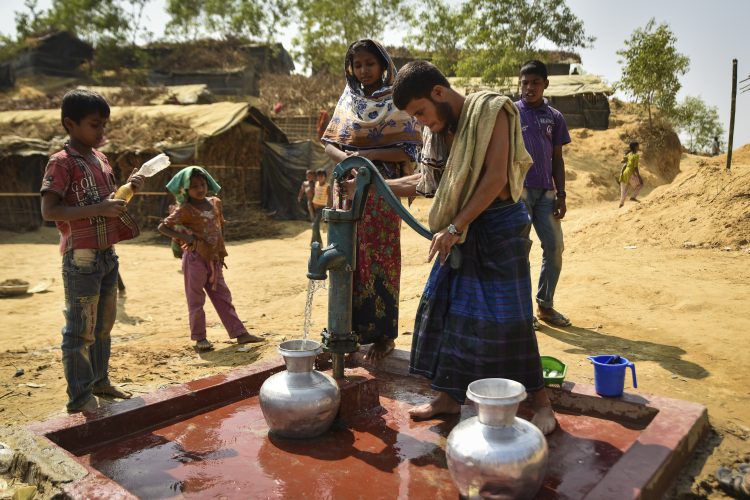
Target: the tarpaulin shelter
pixel 57 54
pixel 22 163
pixel 7 76
pixel 226 138
pixel 226 67
pixel 582 99
pixel 233 81
pixel 284 167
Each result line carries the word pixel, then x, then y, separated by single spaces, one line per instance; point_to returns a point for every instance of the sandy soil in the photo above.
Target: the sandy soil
pixel 679 313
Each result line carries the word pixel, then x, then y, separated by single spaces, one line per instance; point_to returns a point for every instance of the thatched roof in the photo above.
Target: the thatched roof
pixel 141 127
pixel 559 86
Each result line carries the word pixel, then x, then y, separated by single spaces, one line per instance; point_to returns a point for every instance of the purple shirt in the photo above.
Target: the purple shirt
pixel 543 128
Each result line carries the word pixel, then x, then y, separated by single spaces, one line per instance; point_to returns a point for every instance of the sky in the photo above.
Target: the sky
pixel 711 34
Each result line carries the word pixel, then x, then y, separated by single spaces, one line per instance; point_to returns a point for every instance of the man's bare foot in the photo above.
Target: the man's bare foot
pixel 442 404
pixel 544 416
pixel 544 419
pixel 379 350
pixel 246 338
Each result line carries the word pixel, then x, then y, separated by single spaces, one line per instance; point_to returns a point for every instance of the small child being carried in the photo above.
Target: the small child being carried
pixel 204 252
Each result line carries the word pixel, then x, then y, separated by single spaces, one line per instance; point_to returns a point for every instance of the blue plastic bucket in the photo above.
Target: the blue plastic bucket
pixel 609 374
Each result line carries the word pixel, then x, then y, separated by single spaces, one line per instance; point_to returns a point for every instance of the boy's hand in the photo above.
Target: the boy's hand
pixel 136 180
pixel 111 208
pixel 560 208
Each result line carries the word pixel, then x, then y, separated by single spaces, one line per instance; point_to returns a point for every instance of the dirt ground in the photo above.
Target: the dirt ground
pixel 678 311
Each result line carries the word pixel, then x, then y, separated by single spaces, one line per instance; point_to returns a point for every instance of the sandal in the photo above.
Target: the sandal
pixel 553 317
pixel 736 482
pixel 203 345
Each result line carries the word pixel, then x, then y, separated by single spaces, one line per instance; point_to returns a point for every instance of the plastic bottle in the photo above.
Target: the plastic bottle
pixel 148 169
pixel 125 192
pixel 154 165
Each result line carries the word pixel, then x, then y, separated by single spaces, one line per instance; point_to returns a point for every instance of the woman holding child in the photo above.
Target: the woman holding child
pixel 366 123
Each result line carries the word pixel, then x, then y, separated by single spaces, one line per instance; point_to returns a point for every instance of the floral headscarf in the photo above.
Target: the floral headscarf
pixel 367 122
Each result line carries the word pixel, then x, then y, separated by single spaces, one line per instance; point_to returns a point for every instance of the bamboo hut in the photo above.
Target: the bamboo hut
pixel 582 99
pixel 226 138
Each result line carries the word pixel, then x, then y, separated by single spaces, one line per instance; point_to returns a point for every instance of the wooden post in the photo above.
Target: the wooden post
pixel 731 114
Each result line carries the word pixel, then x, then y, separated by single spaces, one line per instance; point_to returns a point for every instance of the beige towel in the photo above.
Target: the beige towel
pixel 467 154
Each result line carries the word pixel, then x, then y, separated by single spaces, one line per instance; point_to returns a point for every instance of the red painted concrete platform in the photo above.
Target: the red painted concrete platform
pixel 208 439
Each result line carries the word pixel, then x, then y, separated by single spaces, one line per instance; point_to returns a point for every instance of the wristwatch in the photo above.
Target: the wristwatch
pixel 452 229
pixel 560 194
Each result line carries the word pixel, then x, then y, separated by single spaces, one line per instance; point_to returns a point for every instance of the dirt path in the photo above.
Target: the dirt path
pixel 679 314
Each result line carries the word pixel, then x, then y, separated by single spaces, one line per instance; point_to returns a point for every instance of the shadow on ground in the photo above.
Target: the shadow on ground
pixel 591 342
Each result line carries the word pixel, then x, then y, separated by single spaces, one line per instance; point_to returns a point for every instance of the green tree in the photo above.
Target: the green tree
pixel 495 37
pixel 112 26
pixel 227 18
pixel 327 27
pixel 437 30
pixel 652 67
pixel 91 20
pixel 699 121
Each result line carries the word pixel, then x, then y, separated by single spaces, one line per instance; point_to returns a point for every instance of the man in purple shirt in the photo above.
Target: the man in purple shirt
pixel 544 133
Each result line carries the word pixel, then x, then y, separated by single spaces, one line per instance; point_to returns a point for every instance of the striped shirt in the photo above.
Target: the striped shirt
pixel 82 181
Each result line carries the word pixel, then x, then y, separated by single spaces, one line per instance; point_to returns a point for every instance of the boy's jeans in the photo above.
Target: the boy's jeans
pixel 541 205
pixel 90 280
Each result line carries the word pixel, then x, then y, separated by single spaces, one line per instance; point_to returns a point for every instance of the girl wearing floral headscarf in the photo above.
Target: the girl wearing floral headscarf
pixel 366 123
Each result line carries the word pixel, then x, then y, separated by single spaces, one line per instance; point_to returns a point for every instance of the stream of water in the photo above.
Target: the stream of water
pixel 312 287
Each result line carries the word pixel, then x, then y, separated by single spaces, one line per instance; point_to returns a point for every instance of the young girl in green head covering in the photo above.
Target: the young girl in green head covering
pixel 199 211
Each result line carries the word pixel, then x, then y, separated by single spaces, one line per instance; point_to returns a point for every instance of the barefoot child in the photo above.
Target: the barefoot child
pixel 322 197
pixel 204 253
pixel 77 194
pixel 307 192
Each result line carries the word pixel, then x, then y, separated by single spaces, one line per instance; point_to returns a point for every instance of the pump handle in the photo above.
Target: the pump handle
pixel 359 163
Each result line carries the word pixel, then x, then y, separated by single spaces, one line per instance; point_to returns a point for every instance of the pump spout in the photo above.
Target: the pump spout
pixel 322 260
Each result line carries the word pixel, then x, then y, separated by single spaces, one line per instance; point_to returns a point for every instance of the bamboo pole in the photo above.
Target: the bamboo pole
pixel 731 114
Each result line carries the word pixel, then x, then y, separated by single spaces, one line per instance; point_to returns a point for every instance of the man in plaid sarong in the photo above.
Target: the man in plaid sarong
pixel 475 317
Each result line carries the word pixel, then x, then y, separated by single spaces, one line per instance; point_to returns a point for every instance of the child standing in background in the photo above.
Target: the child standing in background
pixel 322 197
pixel 307 192
pixel 630 176
pixel 204 252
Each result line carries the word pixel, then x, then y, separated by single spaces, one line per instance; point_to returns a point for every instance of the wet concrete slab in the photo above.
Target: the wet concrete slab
pixel 169 445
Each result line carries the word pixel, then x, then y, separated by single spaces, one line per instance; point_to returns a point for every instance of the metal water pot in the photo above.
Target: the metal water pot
pixel 299 402
pixel 496 454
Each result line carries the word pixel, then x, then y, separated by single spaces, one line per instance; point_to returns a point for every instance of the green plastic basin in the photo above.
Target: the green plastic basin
pixel 553 370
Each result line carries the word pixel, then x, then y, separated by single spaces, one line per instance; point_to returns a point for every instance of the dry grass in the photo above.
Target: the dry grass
pixel 301 95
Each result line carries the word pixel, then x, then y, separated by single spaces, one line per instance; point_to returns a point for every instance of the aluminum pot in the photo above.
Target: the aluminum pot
pixel 496 454
pixel 299 402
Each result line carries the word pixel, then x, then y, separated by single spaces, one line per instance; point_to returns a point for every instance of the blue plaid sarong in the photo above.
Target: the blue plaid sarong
pixel 476 322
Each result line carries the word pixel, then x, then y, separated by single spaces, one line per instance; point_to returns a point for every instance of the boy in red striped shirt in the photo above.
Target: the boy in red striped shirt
pixel 77 194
